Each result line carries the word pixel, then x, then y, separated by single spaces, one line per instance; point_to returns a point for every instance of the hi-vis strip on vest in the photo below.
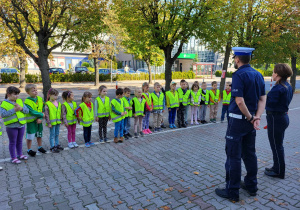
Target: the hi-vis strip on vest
pixel 226 98
pixel 38 106
pixel 119 107
pixel 54 113
pixel 126 104
pixel 71 118
pixel 17 117
pixel 139 107
pixel 214 97
pixel 184 98
pixel 158 103
pixel 174 100
pixel 87 115
pixel 103 108
pixel 196 98
pixel 148 99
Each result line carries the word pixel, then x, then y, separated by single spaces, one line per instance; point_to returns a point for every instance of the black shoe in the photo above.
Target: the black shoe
pixel 223 194
pixel 42 150
pixel 142 134
pixel 126 136
pixel 183 125
pixel 273 174
pixel 179 125
pixel 54 150
pixel 243 186
pixel 150 127
pixel 129 135
pixel 105 140
pixel 31 153
pixel 136 135
pixel 204 121
pixel 269 169
pixel 163 126
pixel 59 147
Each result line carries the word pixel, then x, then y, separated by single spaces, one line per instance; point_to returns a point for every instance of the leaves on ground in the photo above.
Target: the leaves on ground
pixel 196 173
pixel 169 189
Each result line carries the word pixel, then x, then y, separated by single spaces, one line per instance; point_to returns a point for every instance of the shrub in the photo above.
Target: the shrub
pixel 91 69
pixel 219 73
pixel 10 78
pixel 86 64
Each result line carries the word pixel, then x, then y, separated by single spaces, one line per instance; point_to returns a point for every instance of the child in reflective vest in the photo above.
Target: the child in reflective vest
pixel 85 116
pixel 128 108
pixel 184 98
pixel 158 99
pixel 195 102
pixel 226 101
pixel 203 103
pixel 172 101
pixel 68 117
pixel 138 111
pixel 214 99
pixel 102 111
pixel 118 114
pixel 13 113
pixel 53 119
pixel 149 107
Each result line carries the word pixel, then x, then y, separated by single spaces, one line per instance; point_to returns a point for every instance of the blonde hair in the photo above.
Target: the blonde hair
pixel 156 84
pixel 136 90
pixel 28 87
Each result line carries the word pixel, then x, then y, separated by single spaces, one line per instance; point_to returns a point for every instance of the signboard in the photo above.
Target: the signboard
pixel 186 56
pixel 223 74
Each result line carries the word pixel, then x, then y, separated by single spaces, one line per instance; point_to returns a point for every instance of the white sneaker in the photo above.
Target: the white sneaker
pixel 1 168
pixel 70 145
pixel 75 144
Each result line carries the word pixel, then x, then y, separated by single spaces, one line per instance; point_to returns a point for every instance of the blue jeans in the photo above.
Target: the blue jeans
pixel 54 133
pixel 172 115
pixel 87 132
pixel 202 112
pixel 146 120
pixel 126 126
pixel 119 128
pixel 224 111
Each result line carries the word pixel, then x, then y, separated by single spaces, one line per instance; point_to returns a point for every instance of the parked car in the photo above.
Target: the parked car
pixel 104 71
pixel 120 71
pixel 9 71
pixel 56 71
pixel 143 70
pixel 81 69
pixel 131 71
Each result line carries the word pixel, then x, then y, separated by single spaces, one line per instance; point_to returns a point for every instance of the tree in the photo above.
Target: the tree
pixel 169 23
pixel 52 24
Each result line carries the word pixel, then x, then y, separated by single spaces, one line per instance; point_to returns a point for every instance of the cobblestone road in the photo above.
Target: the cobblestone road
pixel 153 172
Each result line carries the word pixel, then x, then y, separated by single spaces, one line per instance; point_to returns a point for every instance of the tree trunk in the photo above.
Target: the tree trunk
pixel 294 68
pixel 96 72
pixel 149 71
pixel 23 61
pixel 168 73
pixel 44 68
pixel 267 66
pixel 225 66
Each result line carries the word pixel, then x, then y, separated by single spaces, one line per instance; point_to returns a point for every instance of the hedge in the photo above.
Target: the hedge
pixel 229 74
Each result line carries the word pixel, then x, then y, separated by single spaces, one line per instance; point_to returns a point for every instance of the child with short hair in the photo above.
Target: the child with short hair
pixel 172 101
pixel 184 97
pixel 117 113
pixel 13 113
pixel 53 119
pixel 68 117
pixel 148 109
pixel 138 111
pixel 195 102
pixel 128 108
pixel 85 115
pixel 158 99
pixel 203 103
pixel 186 111
pixel 102 111
pixel 226 101
pixel 214 99
pixel 34 127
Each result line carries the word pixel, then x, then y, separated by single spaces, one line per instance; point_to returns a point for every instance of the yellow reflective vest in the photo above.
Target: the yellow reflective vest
pixel 71 118
pixel 196 98
pixel 158 103
pixel 174 99
pixel 126 104
pixel 103 108
pixel 119 107
pixel 205 97
pixel 87 115
pixel 184 98
pixel 139 107
pixel 17 117
pixel 38 106
pixel 226 98
pixel 148 99
pixel 54 113
pixel 213 96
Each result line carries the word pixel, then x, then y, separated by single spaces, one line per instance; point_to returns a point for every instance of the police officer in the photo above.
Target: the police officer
pixel 246 107
pixel 278 101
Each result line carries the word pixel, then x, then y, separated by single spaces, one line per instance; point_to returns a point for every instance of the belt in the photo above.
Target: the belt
pixel 237 116
pixel 276 113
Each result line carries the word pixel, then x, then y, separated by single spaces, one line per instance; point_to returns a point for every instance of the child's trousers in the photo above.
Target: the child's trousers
pixel 54 134
pixel 213 111
pixel 126 125
pixel 180 115
pixel 146 120
pixel 119 128
pixel 157 117
pixel 15 136
pixel 202 112
pixel 103 127
pixel 138 121
pixel 87 132
pixel 71 133
pixel 172 115
pixel 194 114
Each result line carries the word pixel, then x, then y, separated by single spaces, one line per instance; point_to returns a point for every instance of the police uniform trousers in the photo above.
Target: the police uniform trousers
pixel 277 124
pixel 240 144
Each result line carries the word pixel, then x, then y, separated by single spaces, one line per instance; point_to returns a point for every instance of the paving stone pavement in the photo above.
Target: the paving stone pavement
pixel 153 172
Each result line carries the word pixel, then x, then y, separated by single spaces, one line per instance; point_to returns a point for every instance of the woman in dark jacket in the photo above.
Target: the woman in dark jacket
pixel 277 106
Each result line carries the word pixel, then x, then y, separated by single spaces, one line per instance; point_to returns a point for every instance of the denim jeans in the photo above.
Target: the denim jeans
pixel 224 111
pixel 172 115
pixel 87 132
pixel 146 120
pixel 126 126
pixel 119 128
pixel 202 112
pixel 54 134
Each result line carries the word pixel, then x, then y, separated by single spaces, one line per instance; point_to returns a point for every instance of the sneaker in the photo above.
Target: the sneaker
pixel 22 157
pixel 171 126
pixel 174 126
pixel 142 134
pixel 101 141
pixel 179 126
pixel 31 153
pixel 204 121
pixel 192 123
pixel 126 137
pixel 59 147
pixel 75 144
pixel 212 120
pixel 145 131
pixel 42 150
pixel 71 145
pixel 87 145
pixel 91 143
pixel 149 132
pixel 222 121
pixel 121 140
pixel 215 120
pixel 196 123
pixel 184 125
pixel 1 168
pixel 54 150
pixel 136 135
pixel 106 140
pixel 129 135
pixel 150 127
pixel 163 126
pixel 15 161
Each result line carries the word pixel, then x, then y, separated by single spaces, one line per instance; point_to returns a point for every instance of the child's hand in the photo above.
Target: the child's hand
pixel 109 118
pixel 38 121
pixel 129 108
pixel 143 115
pixel 122 113
pixel 17 107
pixel 67 125
pixel 79 119
pixel 97 119
pixel 44 115
pixel 200 106
pixel 49 126
pixel 169 109
pixel 134 115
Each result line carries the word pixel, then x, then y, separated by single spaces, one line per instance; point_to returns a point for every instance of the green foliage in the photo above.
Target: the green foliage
pixel 10 78
pixel 219 73
pixel 265 73
pixel 119 64
pixel 91 69
pixel 144 76
pixel 86 64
